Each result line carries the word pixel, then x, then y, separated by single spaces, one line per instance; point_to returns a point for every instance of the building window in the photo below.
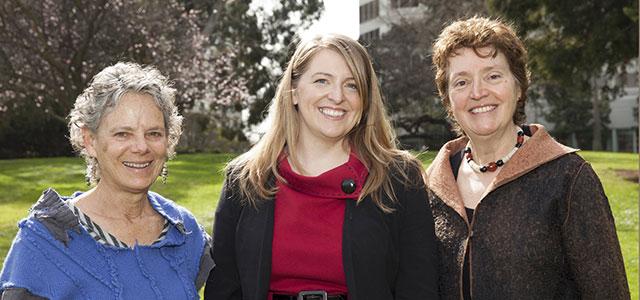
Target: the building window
pixel 370 36
pixel 369 11
pixel 630 74
pixel 630 79
pixel 627 140
pixel 404 3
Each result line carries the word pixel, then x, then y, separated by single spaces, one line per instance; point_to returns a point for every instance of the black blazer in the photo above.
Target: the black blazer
pixel 385 256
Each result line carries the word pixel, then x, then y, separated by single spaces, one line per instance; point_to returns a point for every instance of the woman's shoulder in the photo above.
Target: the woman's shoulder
pixel 569 163
pixel 51 217
pixel 170 209
pixel 406 165
pixel 579 169
pixel 572 158
pixel 406 173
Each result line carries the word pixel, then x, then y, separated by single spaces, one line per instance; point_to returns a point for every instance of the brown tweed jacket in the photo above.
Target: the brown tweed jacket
pixel 544 229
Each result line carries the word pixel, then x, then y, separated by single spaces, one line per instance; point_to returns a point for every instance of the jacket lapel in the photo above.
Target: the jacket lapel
pixel 347 252
pixel 253 243
pixel 264 267
pixel 440 178
pixel 539 149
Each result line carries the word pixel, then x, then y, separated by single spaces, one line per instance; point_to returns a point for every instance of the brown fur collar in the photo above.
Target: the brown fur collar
pixel 539 149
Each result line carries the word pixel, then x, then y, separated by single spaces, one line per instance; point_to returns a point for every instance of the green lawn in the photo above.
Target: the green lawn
pixel 195 181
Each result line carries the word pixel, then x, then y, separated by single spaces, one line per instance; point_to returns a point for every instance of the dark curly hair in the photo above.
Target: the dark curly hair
pixel 475 33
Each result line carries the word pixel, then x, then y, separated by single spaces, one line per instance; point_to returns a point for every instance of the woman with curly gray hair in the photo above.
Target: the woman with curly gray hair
pixel 117 240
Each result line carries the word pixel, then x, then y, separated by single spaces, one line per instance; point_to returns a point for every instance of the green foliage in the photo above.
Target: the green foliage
pixel 584 35
pixel 27 120
pixel 50 49
pixel 218 131
pixel 195 181
pixel 576 48
pixel 403 62
pixel 262 38
pixel 569 106
pixel 401 58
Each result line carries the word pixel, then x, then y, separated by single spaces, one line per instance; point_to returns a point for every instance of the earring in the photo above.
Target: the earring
pixel 164 173
pixel 87 177
pixel 91 173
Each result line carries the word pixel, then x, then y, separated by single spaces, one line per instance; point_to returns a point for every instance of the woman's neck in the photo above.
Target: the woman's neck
pixel 486 149
pixel 312 157
pixel 114 203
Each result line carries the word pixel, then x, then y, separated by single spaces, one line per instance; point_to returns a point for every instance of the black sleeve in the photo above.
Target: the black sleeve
pixel 418 270
pixel 19 294
pixel 223 282
pixel 206 263
pixel 590 240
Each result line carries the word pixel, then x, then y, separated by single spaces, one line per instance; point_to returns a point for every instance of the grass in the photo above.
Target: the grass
pixel 195 181
pixel 623 198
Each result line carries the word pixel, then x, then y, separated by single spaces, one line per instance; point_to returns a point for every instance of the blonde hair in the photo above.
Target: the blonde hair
pixel 373 137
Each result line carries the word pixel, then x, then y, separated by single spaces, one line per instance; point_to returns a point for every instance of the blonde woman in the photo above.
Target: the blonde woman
pixel 325 206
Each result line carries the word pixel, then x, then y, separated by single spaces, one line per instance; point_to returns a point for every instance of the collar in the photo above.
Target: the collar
pixel 328 184
pixel 52 210
pixel 168 210
pixel 162 206
pixel 539 149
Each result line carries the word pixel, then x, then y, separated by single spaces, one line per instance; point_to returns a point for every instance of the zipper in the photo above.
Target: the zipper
pixel 462 271
pixel 465 253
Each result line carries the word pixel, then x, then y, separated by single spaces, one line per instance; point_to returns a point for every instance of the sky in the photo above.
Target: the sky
pixel 339 16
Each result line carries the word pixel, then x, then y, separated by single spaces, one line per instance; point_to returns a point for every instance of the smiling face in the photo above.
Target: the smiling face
pixel 130 144
pixel 329 104
pixel 483 92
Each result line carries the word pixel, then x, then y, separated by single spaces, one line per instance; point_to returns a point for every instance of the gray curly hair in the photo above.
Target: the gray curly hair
pixel 104 92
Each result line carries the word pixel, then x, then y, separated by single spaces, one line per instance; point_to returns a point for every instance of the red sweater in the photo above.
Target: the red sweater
pixel 307 230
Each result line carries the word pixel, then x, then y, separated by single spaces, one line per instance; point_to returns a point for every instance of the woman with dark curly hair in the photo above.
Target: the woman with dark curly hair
pixel 118 240
pixel 518 215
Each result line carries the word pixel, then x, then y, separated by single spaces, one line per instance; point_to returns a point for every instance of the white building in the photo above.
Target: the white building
pixel 624 121
pixel 622 131
pixel 377 16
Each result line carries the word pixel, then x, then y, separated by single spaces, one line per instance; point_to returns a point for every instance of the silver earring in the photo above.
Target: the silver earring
pixel 91 167
pixel 87 177
pixel 164 173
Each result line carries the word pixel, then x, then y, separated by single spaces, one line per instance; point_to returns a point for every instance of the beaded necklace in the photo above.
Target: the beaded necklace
pixel 492 166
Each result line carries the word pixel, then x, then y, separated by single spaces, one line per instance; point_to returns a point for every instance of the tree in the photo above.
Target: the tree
pixel 259 38
pixel 50 49
pixel 403 63
pixel 213 122
pixel 402 57
pixel 263 37
pixel 576 51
